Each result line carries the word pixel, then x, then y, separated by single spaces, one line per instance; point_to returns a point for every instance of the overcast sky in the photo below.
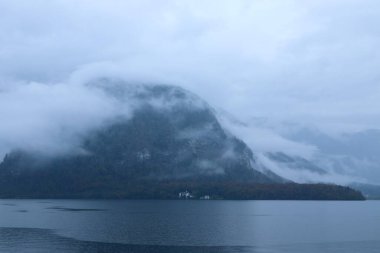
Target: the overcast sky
pixel 311 62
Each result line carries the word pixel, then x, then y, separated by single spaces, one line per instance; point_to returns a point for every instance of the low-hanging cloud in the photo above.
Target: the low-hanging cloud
pixel 51 118
pixel 314 62
pixel 305 60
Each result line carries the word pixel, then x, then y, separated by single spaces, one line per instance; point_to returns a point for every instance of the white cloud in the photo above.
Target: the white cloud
pixel 307 61
pixel 49 118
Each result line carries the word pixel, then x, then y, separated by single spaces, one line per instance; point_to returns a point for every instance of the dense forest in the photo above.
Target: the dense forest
pixel 170 189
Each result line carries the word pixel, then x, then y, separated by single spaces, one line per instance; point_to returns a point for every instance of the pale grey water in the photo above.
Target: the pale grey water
pixel 189 226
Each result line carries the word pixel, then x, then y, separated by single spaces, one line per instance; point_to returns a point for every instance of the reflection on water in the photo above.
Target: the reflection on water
pixel 189 226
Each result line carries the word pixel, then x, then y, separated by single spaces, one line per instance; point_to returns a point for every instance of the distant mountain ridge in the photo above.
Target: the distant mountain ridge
pixel 350 159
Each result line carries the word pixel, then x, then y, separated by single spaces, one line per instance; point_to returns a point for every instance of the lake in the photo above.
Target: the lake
pixel 189 226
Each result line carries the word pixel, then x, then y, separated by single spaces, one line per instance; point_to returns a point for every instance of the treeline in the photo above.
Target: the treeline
pixel 46 186
pixel 241 191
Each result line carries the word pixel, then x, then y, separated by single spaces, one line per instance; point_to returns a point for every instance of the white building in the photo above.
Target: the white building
pixel 185 195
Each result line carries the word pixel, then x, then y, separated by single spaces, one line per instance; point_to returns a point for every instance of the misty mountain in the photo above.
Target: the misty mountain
pixel 345 157
pixel 163 139
pixel 294 162
pixel 172 134
pixel 354 154
pixel 350 159
pixel 362 144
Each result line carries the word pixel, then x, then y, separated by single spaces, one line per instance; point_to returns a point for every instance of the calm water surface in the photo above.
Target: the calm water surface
pixel 189 226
